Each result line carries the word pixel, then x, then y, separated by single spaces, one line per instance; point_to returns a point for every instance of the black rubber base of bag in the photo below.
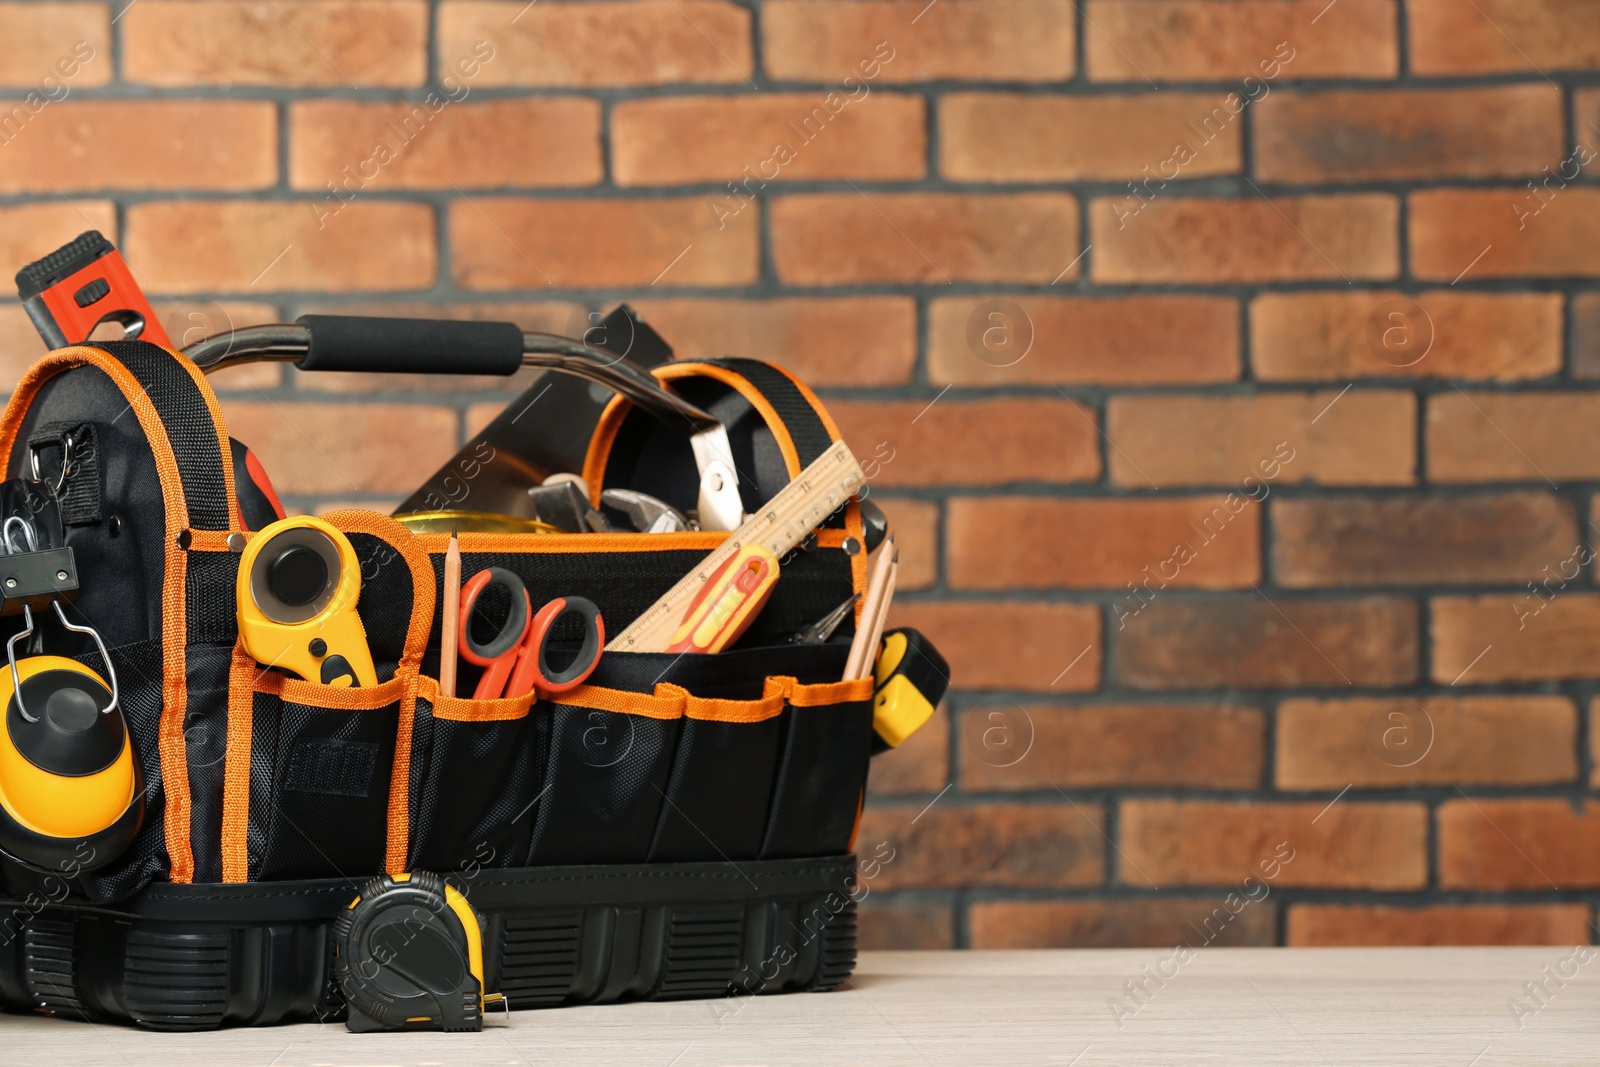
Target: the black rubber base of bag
pixel 197 957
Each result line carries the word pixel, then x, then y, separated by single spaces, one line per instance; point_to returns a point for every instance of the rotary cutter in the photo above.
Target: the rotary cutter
pixel 71 795
pixel 299 580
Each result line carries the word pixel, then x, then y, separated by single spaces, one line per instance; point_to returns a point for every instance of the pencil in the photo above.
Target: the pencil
pixel 869 658
pixel 449 634
pixel 877 579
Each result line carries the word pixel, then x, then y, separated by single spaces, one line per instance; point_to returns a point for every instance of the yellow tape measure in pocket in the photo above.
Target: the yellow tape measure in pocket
pixel 299 581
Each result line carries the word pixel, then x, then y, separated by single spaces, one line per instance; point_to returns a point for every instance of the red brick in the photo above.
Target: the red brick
pixel 1500 437
pixel 846 238
pixel 952 844
pixel 1330 925
pixel 1586 335
pixel 1159 923
pixel 1518 636
pixel 920 765
pixel 1201 40
pixel 1247 642
pixel 889 926
pixel 1027 339
pixel 30 231
pixel 843 341
pixel 1337 336
pixel 344 44
pixel 970 442
pixel 1350 845
pixel 1361 438
pixel 1165 746
pixel 129 144
pixel 633 42
pixel 1492 843
pixel 1416 540
pixel 1535 36
pixel 751 141
pixel 1594 741
pixel 911 41
pixel 259 247
pixel 1210 240
pixel 1025 137
pixel 501 243
pixel 916 537
pixel 46 47
pixel 1010 645
pixel 1517 233
pixel 1406 134
pixel 1381 742
pixel 1029 543
pixel 316 449
pixel 357 146
pixel 559 317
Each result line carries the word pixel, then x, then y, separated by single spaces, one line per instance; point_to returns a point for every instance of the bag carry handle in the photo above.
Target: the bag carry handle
pixel 413 346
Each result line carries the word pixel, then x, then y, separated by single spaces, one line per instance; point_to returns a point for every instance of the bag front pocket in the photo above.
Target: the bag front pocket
pixel 715 804
pixel 321 763
pixel 605 768
pixel 474 779
pixel 827 743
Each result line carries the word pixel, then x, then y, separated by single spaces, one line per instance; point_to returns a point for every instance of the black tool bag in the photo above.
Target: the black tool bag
pixel 680 825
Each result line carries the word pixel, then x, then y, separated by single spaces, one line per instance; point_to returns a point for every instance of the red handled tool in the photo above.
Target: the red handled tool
pixel 517 656
pixel 80 285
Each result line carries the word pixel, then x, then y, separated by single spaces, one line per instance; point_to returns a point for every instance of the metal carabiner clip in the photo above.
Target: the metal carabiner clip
pixel 68 442
pixel 11 524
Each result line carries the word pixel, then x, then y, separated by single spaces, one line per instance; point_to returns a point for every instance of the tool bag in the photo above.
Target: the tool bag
pixel 680 825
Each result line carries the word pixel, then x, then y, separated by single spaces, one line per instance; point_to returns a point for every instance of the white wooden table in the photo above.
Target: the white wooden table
pixel 1225 1007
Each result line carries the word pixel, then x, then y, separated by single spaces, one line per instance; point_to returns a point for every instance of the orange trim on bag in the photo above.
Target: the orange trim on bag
pixel 714 709
pixel 600 442
pixel 461 709
pixel 236 769
pixel 424 597
pixel 820 694
pixel 330 697
pixel 667 702
pixel 855 831
pixel 435 544
pixel 741 384
pixel 210 540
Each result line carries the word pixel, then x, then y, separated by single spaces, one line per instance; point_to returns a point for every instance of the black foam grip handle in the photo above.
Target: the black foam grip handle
pixel 410 346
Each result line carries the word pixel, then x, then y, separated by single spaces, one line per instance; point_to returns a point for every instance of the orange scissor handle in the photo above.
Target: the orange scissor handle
pixel 533 666
pixel 499 654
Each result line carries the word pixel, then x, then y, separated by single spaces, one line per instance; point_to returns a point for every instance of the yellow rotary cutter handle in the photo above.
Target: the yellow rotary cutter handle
pixel 299 581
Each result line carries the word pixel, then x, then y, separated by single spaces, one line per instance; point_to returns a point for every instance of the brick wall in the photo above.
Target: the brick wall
pixel 1225 366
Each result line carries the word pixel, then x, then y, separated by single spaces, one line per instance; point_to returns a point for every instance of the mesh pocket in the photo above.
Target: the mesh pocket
pixel 822 769
pixel 716 800
pixel 605 773
pixel 321 760
pixel 475 776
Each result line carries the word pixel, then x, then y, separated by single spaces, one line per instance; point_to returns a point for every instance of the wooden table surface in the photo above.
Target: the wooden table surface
pixel 1451 1007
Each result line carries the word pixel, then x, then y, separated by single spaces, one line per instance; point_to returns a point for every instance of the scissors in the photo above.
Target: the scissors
pixel 516 656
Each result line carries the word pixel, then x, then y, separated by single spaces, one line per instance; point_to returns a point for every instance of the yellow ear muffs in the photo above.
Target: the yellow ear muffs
pixel 71 796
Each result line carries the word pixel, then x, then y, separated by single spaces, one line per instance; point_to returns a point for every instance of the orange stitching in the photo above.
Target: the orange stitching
pixel 823 693
pixel 666 702
pixel 718 710
pixel 530 543
pixel 461 709
pixel 236 769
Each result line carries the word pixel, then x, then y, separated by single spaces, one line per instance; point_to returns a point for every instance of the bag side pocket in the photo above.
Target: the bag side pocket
pixel 475 774
pixel 827 743
pixel 321 763
pixel 716 799
pixel 605 773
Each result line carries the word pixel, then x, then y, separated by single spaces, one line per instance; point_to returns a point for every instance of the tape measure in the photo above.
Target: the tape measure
pixel 909 680
pixel 299 581
pixel 71 797
pixel 408 954
pixel 778 526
